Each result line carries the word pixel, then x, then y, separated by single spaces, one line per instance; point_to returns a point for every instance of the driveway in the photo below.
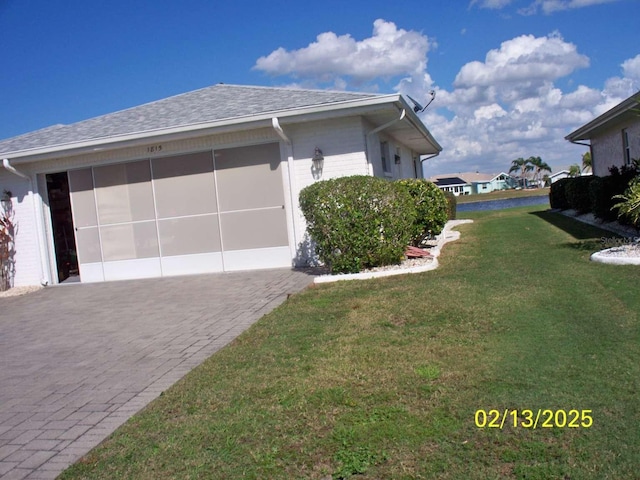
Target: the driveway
pixel 77 361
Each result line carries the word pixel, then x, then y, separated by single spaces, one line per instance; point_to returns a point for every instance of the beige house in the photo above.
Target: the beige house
pixel 613 138
pixel 206 181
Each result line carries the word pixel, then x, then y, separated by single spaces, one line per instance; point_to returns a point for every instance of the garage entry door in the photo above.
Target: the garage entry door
pixel 183 214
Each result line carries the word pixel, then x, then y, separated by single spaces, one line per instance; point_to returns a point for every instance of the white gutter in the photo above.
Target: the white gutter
pixel 37 217
pixel 276 126
pixel 421 160
pixel 388 124
pixel 10 168
pixel 275 123
pixel 403 114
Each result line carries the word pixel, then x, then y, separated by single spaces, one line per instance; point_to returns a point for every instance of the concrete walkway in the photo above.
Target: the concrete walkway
pixel 77 361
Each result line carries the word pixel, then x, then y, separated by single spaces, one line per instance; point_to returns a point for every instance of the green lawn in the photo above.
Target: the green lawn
pixel 383 378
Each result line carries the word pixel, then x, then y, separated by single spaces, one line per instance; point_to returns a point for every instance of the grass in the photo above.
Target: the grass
pixel 382 378
pixel 503 194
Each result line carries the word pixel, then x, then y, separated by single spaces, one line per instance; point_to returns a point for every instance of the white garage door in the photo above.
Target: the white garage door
pixel 191 213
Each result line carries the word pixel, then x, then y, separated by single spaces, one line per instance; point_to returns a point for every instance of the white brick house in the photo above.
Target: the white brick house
pixel 613 138
pixel 206 181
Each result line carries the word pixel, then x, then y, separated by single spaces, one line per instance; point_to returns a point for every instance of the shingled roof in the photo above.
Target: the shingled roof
pixel 211 104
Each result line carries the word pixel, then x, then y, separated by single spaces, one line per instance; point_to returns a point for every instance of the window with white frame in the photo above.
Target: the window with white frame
pixel 626 147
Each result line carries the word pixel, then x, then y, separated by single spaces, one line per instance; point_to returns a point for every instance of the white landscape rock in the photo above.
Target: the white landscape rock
pixel 625 254
pixel 417 265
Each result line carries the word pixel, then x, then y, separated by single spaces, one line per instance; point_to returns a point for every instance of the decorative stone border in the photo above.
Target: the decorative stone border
pixel 618 255
pixel 447 235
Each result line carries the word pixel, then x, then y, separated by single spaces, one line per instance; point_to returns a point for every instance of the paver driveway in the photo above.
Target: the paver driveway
pixel 77 361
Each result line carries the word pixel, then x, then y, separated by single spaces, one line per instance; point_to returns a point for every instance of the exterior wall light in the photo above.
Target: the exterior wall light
pixel 317 163
pixel 318 159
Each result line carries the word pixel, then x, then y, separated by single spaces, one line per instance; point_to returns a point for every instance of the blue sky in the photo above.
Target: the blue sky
pixel 512 77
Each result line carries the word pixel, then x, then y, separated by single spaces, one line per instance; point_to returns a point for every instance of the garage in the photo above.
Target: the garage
pixel 209 211
pixel 200 182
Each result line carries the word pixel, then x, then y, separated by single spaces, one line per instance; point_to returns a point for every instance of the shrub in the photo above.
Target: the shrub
pixel 577 194
pixel 431 208
pixel 603 189
pixel 358 222
pixel 557 194
pixel 629 207
pixel 7 241
pixel 452 205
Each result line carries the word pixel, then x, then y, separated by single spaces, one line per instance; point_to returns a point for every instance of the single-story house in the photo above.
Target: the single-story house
pixel 489 182
pixel 553 178
pixel 565 174
pixel 455 185
pixel 613 137
pixel 472 183
pixel 206 181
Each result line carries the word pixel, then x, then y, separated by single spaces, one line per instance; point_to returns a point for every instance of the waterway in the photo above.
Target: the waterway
pixel 541 200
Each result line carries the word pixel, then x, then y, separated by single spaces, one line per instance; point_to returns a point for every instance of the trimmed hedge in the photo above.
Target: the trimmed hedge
pixel 431 208
pixel 557 197
pixel 593 194
pixel 603 189
pixel 358 222
pixel 577 194
pixel 452 205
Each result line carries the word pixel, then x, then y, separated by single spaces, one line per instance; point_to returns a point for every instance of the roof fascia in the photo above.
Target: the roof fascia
pixel 415 121
pixel 611 115
pixel 350 107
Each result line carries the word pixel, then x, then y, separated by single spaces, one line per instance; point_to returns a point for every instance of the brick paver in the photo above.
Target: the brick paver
pixel 77 361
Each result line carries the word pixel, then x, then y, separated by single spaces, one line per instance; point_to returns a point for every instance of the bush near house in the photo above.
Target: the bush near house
pixel 358 222
pixel 452 205
pixel 628 205
pixel 603 189
pixel 7 233
pixel 577 194
pixel 557 194
pixel 595 194
pixel 431 208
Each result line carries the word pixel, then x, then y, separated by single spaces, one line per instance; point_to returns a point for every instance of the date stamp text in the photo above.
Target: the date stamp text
pixel 529 418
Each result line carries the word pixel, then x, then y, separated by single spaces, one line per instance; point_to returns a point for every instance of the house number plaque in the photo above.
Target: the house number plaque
pixel 154 149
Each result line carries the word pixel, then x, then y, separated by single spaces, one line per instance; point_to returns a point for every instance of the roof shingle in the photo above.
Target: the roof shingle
pixel 210 104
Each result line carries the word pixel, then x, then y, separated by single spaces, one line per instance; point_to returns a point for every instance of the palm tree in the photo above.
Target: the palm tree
pixel 574 170
pixel 539 166
pixel 586 162
pixel 523 166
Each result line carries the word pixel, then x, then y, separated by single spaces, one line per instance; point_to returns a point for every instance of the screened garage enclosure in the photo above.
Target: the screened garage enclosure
pixel 204 181
pixel 219 210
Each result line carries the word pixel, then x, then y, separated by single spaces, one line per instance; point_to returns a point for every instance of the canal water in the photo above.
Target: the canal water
pixel 541 200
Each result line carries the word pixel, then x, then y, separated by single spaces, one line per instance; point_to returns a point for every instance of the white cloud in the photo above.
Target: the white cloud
pixel 631 68
pixel 507 106
pixel 487 112
pixel 501 113
pixel 491 4
pixel 523 59
pixel 551 6
pixel 388 53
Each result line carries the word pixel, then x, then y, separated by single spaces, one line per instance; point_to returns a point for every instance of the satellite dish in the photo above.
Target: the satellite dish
pixel 419 108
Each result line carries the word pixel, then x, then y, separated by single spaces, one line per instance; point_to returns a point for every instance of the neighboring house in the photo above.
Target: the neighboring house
pixel 553 178
pixel 613 137
pixel 565 174
pixel 471 183
pixel 455 185
pixel 206 181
